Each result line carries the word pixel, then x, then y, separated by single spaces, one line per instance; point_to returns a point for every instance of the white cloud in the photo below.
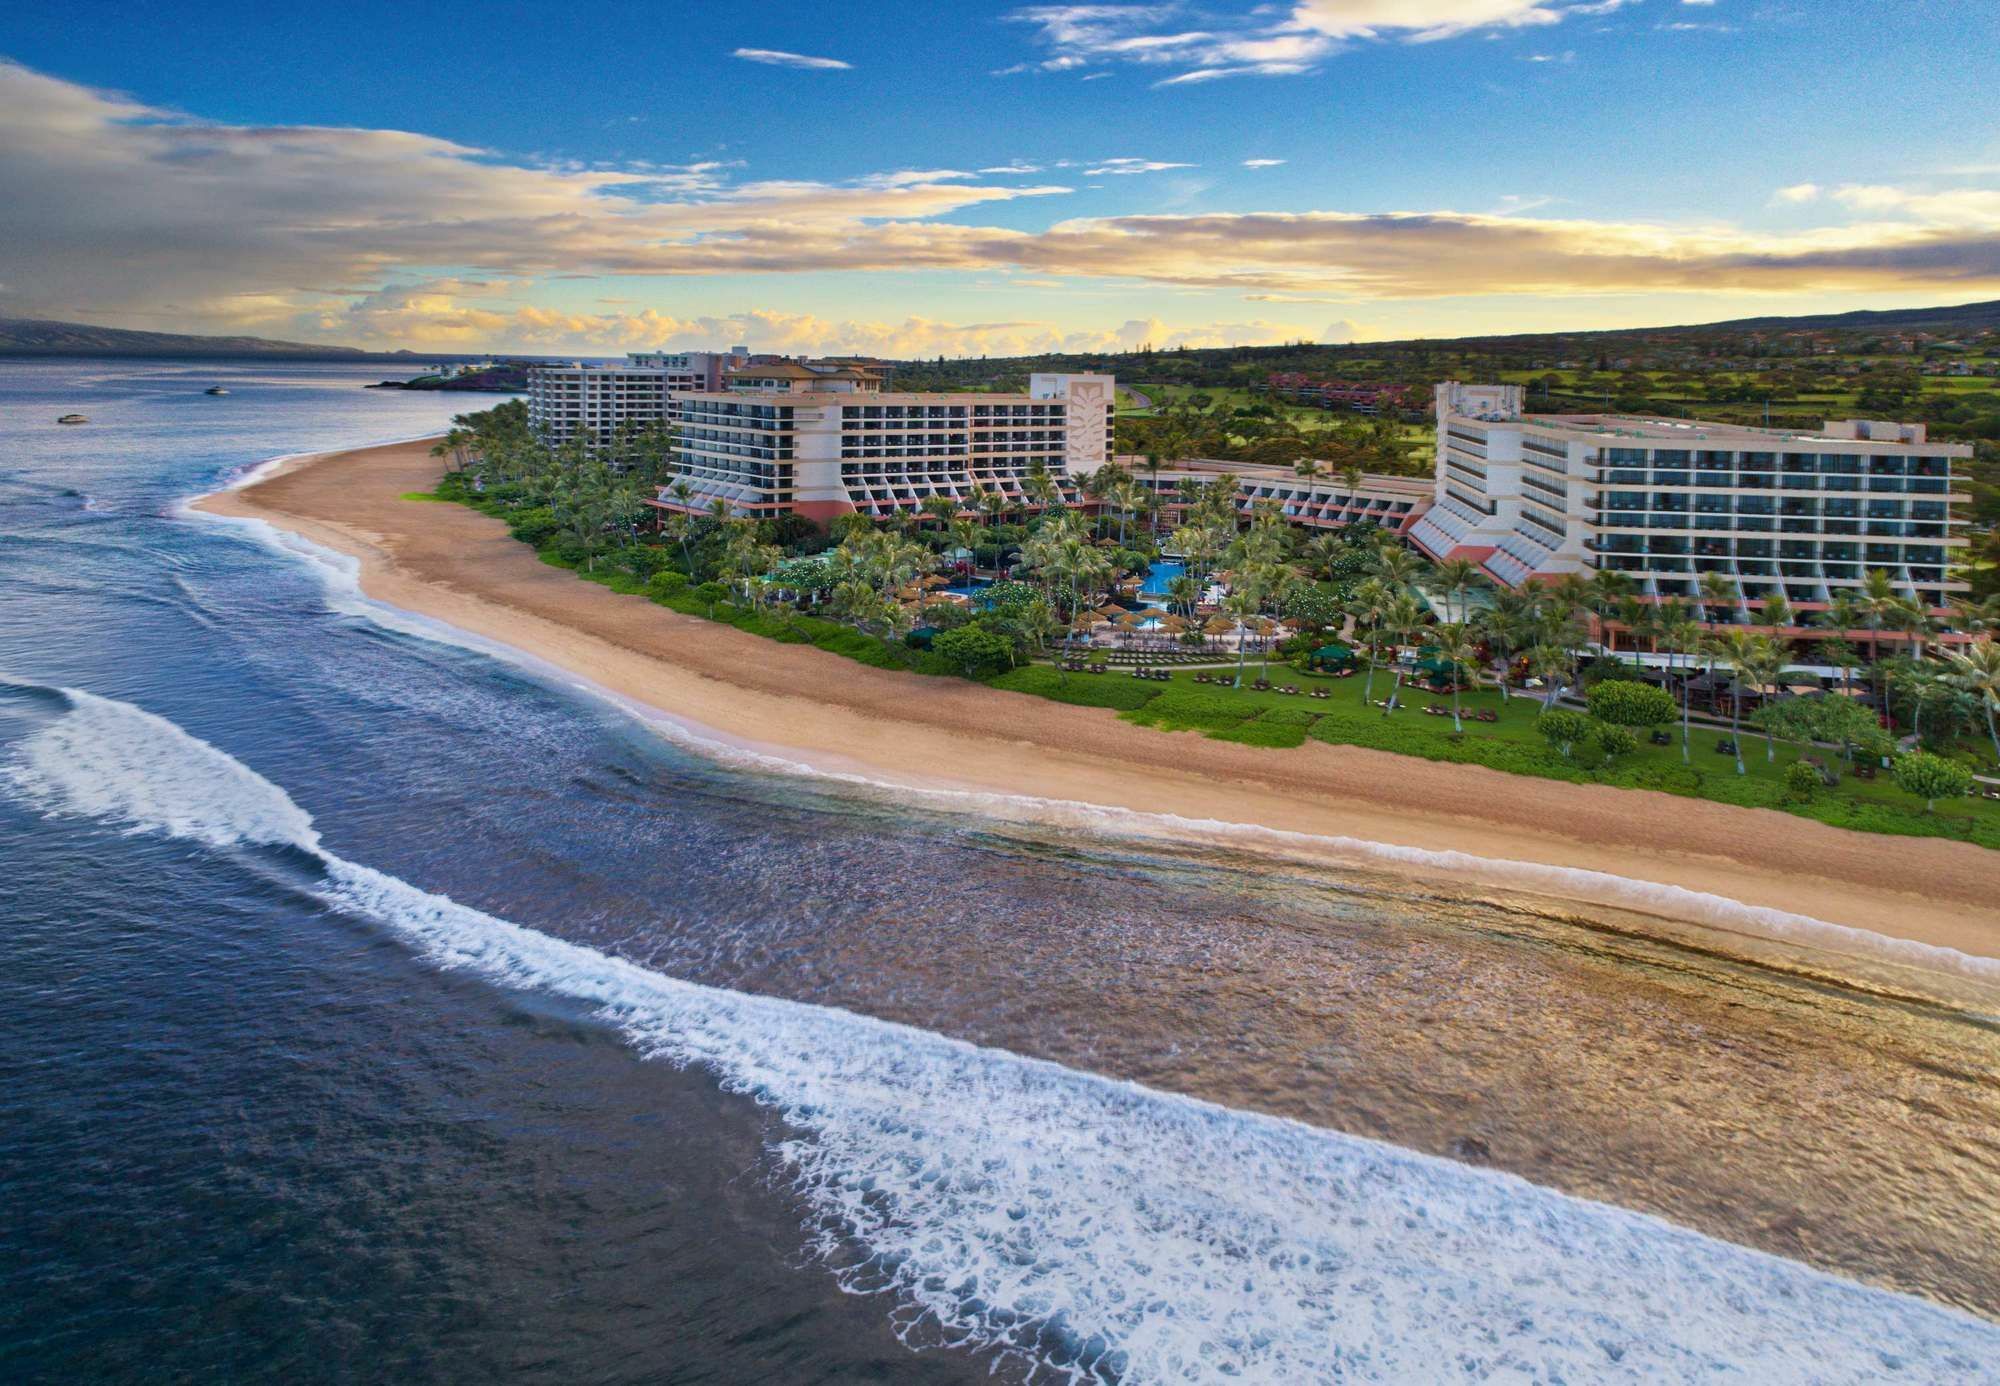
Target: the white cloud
pixel 775 57
pixel 1262 163
pixel 1129 165
pixel 1797 193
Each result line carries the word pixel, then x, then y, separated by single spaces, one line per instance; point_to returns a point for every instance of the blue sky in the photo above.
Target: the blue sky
pixel 916 178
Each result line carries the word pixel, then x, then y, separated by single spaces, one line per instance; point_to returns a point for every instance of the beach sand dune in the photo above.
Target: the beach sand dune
pixel 463 568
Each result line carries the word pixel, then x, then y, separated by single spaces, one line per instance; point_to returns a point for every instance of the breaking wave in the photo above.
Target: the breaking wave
pixel 1087 1227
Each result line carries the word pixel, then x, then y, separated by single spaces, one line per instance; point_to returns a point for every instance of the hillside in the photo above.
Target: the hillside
pixel 40 337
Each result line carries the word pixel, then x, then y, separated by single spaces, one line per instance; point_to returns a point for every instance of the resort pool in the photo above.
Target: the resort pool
pixel 1153 591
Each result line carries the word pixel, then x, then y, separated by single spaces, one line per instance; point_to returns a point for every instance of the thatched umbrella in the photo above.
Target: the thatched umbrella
pixel 1171 622
pixel 936 580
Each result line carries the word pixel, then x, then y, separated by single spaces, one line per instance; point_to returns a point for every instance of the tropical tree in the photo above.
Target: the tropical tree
pixel 1931 778
pixel 1402 616
pixel 1750 656
pixel 1976 671
pixel 1460 651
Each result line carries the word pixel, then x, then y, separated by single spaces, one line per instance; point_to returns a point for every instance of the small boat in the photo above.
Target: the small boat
pixel 72 419
pixel 215 390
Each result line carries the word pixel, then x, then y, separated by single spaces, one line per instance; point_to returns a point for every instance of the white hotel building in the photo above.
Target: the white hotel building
pixel 822 440
pixel 1668 500
pixel 566 399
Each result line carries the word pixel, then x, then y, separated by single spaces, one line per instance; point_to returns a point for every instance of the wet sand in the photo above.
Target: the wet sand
pixel 463 568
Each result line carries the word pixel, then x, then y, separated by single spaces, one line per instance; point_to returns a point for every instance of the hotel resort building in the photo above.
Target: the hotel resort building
pixel 822 439
pixel 1670 500
pixel 564 400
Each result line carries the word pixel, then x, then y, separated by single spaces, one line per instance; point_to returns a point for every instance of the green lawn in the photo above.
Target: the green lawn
pixel 1279 721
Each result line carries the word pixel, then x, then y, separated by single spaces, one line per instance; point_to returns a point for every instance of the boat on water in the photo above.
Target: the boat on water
pixel 215 390
pixel 72 419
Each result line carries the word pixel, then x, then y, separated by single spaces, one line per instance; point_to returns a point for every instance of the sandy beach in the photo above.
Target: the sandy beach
pixel 457 566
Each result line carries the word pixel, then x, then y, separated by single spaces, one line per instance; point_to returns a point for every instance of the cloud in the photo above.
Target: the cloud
pixel 1270 41
pixel 1129 165
pixel 428 314
pixel 1262 163
pixel 1420 20
pixel 1797 193
pixel 114 211
pixel 775 57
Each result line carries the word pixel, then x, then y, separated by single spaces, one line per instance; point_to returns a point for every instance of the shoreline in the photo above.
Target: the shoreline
pixel 1641 851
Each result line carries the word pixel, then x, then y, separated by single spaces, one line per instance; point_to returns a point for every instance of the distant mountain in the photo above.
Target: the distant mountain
pixel 39 337
pixel 1957 317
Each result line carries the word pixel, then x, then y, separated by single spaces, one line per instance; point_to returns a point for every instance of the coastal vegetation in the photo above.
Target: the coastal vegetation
pixel 1268 637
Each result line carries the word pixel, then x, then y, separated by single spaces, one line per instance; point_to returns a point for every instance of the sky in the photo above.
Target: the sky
pixel 945 177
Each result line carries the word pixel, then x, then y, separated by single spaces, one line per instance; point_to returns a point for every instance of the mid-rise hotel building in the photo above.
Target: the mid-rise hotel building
pixel 1668 500
pixel 824 439
pixel 564 400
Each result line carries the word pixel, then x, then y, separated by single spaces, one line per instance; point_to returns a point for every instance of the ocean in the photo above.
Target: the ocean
pixel 375 1007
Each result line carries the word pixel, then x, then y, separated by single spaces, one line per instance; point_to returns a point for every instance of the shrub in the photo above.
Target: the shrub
pixel 536 526
pixel 973 652
pixel 1262 732
pixel 1179 709
pixel 662 585
pixel 1624 704
pixel 943 616
pixel 1931 778
pixel 1084 690
pixel 1801 782
pixel 710 593
pixel 1562 728
pixel 1614 740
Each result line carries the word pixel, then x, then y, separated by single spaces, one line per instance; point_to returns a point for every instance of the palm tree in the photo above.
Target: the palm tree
pixel 1505 627
pixel 1878 596
pixel 1777 611
pixel 1717 591
pixel 1456 577
pixel 1684 637
pixel 1367 603
pixel 1746 653
pixel 1239 606
pixel 1456 645
pixel 1977 671
pixel 1401 615
pixel 1555 665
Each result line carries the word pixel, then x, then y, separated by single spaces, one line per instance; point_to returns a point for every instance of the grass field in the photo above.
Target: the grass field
pixel 1280 721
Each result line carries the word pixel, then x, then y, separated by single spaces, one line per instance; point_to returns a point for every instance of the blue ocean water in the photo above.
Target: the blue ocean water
pixel 373 1008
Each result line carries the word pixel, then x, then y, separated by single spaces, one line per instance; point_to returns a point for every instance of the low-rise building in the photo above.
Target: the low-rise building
pixel 1323 500
pixel 1668 501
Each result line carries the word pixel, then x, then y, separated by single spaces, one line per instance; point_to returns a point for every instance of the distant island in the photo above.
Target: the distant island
pixel 41 337
pixel 486 377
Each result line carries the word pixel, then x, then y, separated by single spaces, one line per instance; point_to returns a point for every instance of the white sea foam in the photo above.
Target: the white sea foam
pixel 1090 1225
pixel 341 577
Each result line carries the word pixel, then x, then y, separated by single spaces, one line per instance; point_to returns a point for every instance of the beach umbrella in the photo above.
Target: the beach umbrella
pixel 1173 622
pixel 937 580
pixel 1111 612
pixel 1333 654
pixel 1218 625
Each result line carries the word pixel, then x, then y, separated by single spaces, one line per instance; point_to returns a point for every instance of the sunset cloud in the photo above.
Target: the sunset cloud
pixel 112 210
